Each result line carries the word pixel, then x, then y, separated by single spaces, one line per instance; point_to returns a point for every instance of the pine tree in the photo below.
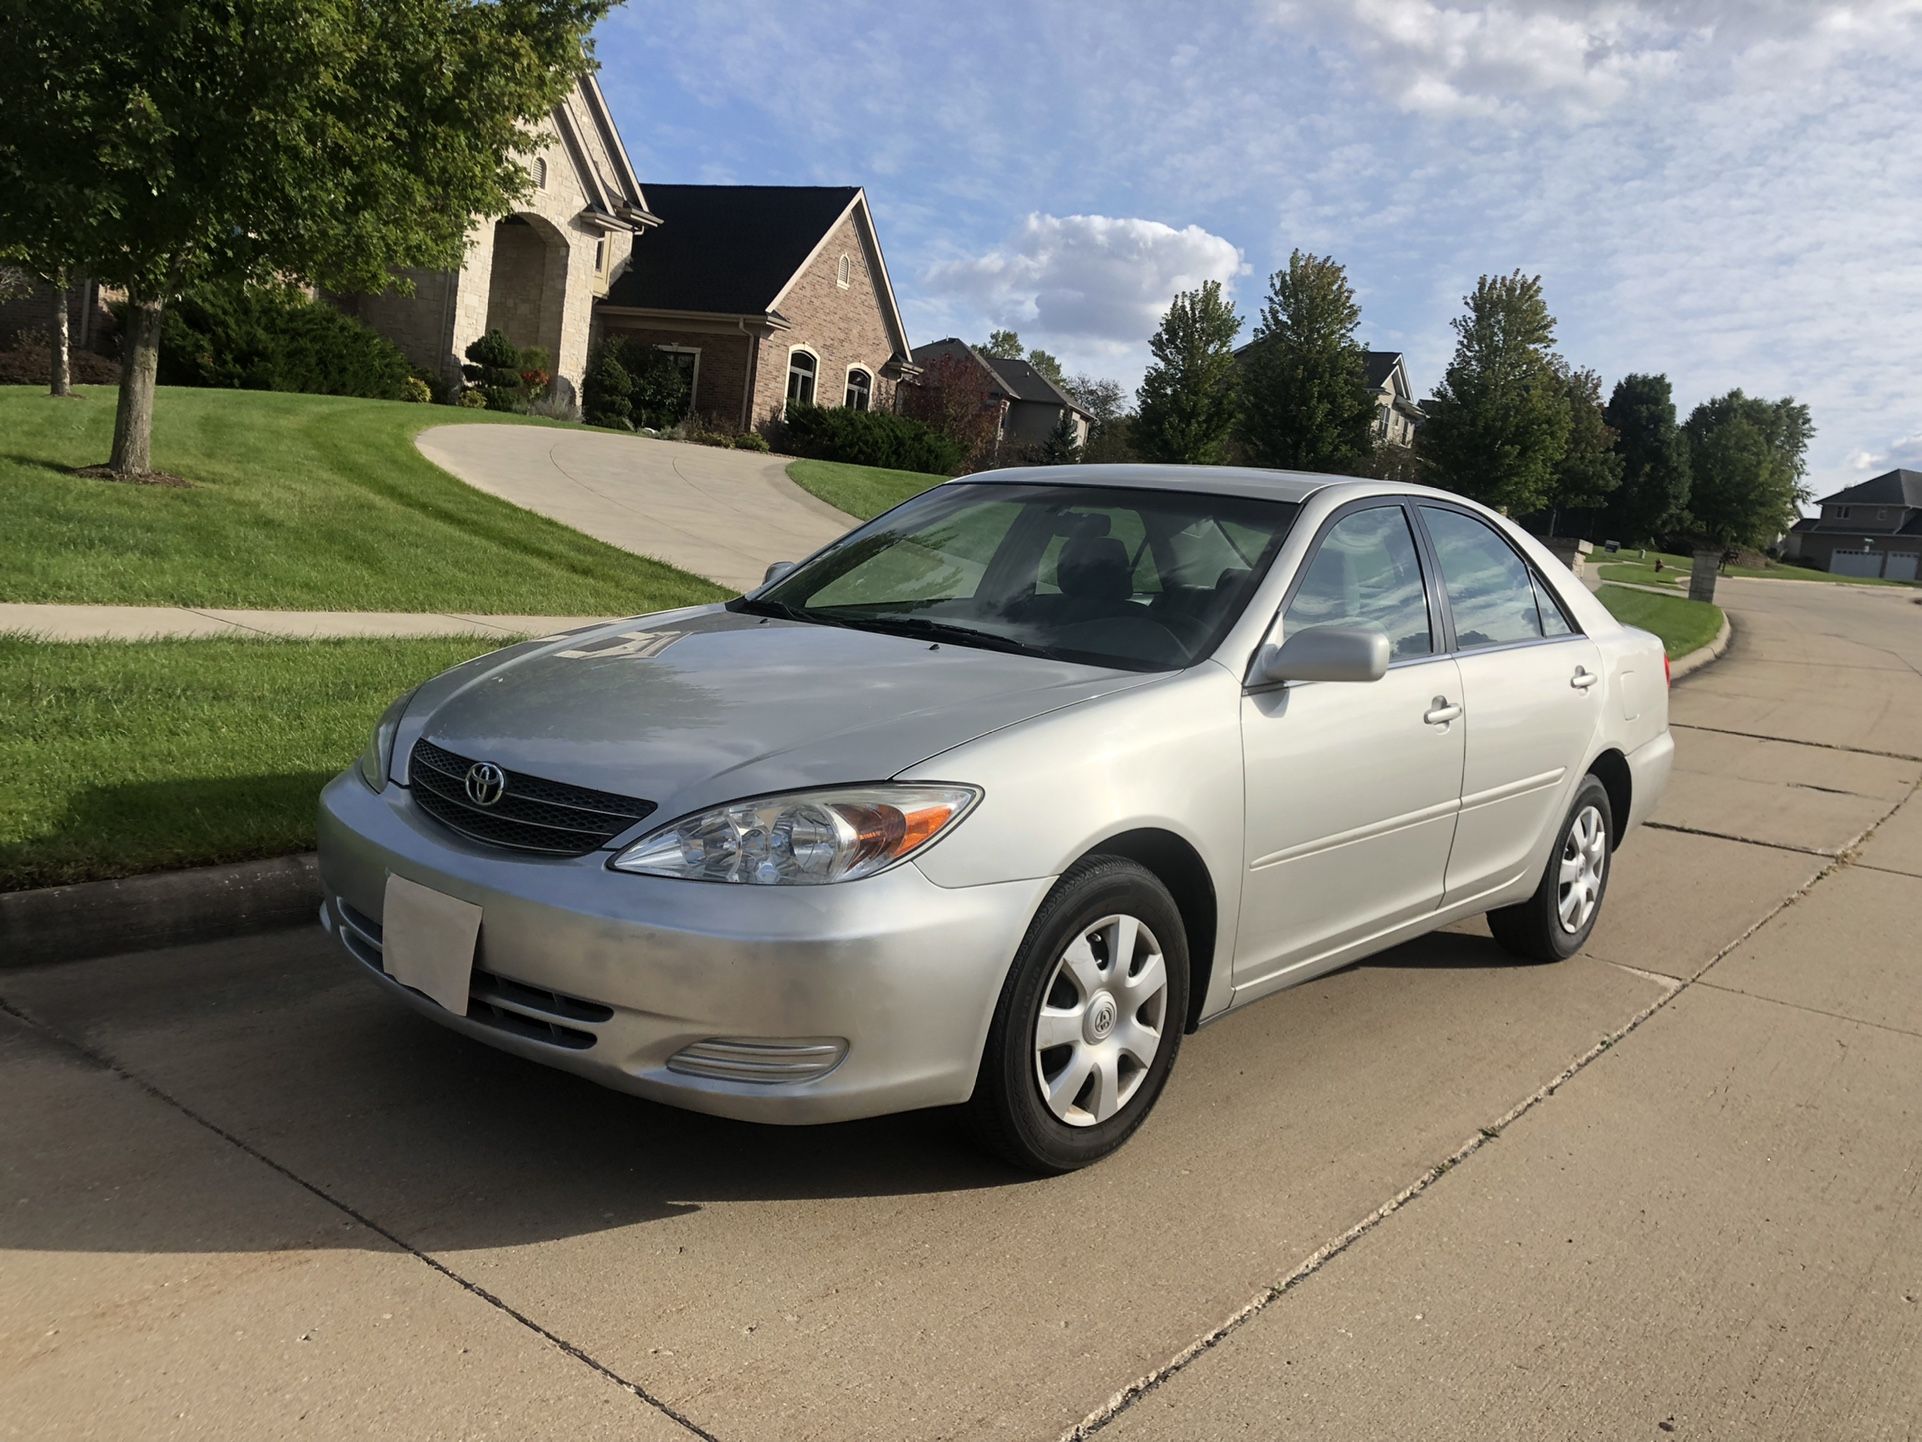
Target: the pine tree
pixel 1305 402
pixel 1187 400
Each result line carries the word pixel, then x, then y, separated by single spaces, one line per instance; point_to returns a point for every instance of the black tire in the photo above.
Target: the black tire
pixel 1008 1112
pixel 1534 929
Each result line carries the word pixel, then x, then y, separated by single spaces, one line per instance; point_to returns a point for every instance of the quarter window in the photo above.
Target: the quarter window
pixel 1491 594
pixel 1365 572
pixel 801 367
pixel 860 390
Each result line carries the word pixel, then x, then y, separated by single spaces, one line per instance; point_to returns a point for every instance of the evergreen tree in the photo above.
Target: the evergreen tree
pixel 1499 422
pixel 1590 469
pixel 1063 445
pixel 1653 495
pixel 1187 400
pixel 1305 402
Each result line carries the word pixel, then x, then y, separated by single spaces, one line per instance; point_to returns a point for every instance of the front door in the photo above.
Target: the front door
pixel 1530 688
pixel 1351 787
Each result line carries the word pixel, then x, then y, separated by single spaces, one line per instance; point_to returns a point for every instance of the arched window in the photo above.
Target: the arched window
pixel 860 392
pixel 801 369
pixel 843 272
pixel 540 172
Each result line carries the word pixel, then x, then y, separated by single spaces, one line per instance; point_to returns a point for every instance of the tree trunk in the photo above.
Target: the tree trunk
pixel 140 358
pixel 61 382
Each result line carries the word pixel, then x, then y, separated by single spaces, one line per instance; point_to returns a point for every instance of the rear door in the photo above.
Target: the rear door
pixel 1531 695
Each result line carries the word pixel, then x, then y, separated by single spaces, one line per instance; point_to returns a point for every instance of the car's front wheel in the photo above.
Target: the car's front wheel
pixel 1089 1020
pixel 1555 922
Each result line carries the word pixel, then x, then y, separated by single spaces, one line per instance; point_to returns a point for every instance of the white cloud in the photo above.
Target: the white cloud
pixel 1093 285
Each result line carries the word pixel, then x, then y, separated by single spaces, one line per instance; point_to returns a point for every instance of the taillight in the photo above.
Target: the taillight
pixel 1665 680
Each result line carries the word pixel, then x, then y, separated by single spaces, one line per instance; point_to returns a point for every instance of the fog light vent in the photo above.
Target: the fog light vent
pixel 767 1060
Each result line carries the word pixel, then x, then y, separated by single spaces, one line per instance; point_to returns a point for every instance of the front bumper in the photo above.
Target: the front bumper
pixel 611 975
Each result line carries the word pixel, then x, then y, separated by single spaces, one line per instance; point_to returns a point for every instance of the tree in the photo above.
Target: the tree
pixel 1047 365
pixel 1108 421
pixel 1002 345
pixel 162 144
pixel 1499 421
pixel 1589 469
pixel 1653 495
pixel 1305 402
pixel 1187 401
pixel 951 397
pixel 1747 457
pixel 1063 445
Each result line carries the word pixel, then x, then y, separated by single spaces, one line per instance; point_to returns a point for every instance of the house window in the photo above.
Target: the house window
pixel 843 272
pixel 540 173
pixel 860 391
pixel 600 256
pixel 1841 513
pixel 687 360
pixel 801 369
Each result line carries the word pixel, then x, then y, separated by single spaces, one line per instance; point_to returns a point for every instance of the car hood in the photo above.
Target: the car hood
pixel 691 708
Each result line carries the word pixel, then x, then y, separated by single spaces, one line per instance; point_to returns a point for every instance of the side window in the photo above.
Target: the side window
pixel 1491 594
pixel 1554 621
pixel 1365 573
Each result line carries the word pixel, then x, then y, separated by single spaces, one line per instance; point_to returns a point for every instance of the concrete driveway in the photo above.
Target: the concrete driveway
pixel 1667 1188
pixel 720 514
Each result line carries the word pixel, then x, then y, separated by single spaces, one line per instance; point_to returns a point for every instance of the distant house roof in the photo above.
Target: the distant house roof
pixel 1379 365
pixel 1025 383
pixel 1891 488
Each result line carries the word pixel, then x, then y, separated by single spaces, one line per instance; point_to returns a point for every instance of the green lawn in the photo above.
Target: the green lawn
pixel 1683 625
pixel 124 757
pixel 297 502
pixel 1675 569
pixel 861 491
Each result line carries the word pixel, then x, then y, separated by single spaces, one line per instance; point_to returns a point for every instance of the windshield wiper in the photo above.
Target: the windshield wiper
pixel 781 611
pixel 921 628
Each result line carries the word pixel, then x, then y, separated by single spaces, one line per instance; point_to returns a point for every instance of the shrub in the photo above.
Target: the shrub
pixel 607 390
pixel 414 389
pixel 660 396
pixel 553 407
pixel 494 369
pixel 472 400
pixel 751 441
pixel 870 438
pixel 270 339
pixel 27 360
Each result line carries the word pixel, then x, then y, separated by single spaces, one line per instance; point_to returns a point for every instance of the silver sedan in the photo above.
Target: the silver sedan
pixel 995 798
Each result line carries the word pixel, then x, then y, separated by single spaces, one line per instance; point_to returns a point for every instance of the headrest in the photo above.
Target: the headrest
pixel 1094 568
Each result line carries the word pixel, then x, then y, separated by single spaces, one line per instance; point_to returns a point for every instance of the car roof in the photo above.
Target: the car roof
pixel 1217 480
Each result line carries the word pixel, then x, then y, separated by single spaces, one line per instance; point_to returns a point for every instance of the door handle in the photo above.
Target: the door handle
pixel 1583 679
pixel 1441 711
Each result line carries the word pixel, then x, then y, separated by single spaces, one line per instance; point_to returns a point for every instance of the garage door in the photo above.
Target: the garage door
pixel 1856 563
pixel 1900 566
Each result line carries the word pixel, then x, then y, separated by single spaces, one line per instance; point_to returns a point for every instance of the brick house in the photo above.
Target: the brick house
pixel 535 274
pixel 1029 406
pixel 1870 529
pixel 770 293
pixel 1386 376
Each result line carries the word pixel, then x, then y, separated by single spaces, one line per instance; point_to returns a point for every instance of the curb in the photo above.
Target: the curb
pixel 1703 655
pixel 164 908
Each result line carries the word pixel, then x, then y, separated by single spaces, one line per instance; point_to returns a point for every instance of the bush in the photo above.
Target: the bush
pixel 269 339
pixel 494 370
pixel 27 360
pixel 751 441
pixel 870 438
pixel 607 389
pixel 416 390
pixel 553 407
pixel 471 400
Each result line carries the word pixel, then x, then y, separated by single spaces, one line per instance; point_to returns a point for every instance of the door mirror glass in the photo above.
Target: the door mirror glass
pixel 776 570
pixel 1325 653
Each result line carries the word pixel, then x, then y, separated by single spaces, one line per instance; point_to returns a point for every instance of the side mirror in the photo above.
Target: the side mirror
pixel 776 570
pixel 1324 653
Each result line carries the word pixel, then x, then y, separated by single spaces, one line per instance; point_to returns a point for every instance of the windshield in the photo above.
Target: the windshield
pixel 1148 580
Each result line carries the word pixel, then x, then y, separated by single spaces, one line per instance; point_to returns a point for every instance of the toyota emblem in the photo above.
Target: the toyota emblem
pixel 486 783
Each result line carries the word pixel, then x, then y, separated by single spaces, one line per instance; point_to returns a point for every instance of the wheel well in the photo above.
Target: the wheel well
pixel 1611 769
pixel 1180 868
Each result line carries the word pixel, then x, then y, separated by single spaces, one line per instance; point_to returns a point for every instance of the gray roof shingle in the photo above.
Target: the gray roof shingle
pixel 1891 488
pixel 726 249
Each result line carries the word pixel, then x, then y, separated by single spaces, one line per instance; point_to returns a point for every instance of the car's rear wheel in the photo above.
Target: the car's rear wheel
pixel 1089 1020
pixel 1556 921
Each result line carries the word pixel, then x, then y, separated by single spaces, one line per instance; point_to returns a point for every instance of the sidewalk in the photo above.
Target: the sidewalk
pixel 141 623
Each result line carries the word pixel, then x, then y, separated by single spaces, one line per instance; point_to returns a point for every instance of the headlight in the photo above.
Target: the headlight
pixel 802 839
pixel 378 754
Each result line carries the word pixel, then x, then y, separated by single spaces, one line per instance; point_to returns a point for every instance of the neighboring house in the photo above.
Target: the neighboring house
pixel 26 305
pixel 1396 414
pixel 767 293
pixel 535 274
pixel 1871 529
pixel 1030 405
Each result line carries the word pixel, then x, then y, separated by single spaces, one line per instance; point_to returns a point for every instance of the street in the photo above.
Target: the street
pixel 1670 1187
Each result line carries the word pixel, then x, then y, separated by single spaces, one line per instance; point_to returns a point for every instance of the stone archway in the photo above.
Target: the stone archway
pixel 527 284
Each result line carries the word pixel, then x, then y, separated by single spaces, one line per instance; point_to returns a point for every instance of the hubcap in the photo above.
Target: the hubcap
pixel 1584 858
pixel 1101 1022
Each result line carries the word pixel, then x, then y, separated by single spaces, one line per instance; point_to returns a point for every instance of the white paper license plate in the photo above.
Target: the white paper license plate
pixel 427 941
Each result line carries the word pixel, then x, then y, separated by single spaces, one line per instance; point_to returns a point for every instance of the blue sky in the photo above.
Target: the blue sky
pixel 1729 191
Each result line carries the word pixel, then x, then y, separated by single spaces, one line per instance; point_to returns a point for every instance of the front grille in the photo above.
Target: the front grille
pixel 532 814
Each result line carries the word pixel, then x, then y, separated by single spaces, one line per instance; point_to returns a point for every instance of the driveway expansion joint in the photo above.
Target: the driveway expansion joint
pixel 561 1344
